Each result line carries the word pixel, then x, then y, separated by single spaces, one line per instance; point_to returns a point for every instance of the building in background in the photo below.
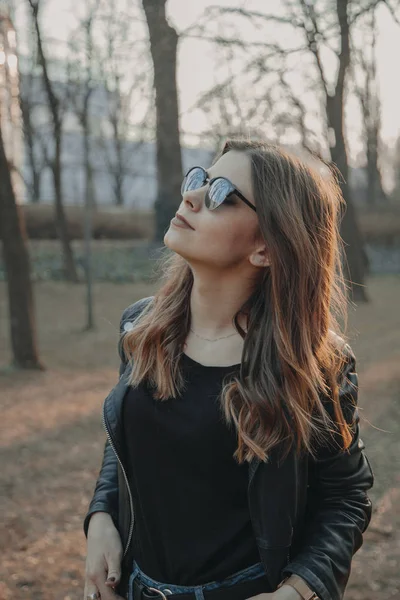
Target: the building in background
pixel 124 170
pixel 123 174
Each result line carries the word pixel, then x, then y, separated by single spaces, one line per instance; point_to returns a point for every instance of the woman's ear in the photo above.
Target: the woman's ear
pixel 259 258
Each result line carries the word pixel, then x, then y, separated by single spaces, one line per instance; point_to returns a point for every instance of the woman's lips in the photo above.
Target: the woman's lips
pixel 180 222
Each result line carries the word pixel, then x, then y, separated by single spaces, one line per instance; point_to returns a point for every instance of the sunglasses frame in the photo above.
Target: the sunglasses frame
pixel 235 191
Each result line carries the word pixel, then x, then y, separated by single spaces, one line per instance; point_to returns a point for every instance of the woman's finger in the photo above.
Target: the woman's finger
pixel 90 588
pixel 114 570
pixel 106 592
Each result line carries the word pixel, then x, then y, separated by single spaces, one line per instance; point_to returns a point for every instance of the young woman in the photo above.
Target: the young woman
pixel 233 466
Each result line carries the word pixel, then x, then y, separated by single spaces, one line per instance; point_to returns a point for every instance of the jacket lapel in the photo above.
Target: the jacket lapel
pixel 272 501
pixel 112 408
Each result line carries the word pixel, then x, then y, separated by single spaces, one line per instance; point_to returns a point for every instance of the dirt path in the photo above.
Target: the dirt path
pixel 52 440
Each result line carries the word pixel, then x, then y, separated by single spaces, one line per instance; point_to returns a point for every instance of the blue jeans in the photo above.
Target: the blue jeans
pixel 253 572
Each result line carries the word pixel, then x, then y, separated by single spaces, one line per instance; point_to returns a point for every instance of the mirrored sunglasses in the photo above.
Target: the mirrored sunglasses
pixel 219 189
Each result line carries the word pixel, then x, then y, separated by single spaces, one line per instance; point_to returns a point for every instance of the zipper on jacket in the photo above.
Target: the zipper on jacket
pixel 126 482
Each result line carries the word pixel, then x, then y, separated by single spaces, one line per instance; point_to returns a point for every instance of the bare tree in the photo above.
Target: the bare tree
pixel 56 166
pixel 35 161
pixel 118 116
pixel 237 109
pixel 256 100
pixel 311 22
pixel 365 85
pixel 163 45
pixel 317 28
pixel 129 103
pixel 29 99
pixel 334 95
pixel 233 109
pixel 82 83
pixel 16 259
pixel 117 150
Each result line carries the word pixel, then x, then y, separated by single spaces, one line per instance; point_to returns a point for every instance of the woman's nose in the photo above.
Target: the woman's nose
pixel 193 199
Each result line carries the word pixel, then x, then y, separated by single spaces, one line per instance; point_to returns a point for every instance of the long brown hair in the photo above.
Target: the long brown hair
pixel 291 356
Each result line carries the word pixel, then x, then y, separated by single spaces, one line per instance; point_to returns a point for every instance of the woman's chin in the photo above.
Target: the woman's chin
pixel 168 239
pixel 176 244
pixel 173 239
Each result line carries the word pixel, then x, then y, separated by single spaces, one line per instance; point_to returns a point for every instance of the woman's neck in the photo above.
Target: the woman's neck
pixel 213 307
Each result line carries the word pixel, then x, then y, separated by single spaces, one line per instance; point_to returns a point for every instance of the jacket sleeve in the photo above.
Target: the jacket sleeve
pixel 338 508
pixel 105 496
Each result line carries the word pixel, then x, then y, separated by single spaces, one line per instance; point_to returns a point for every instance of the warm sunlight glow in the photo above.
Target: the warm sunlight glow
pixel 12 39
pixel 12 63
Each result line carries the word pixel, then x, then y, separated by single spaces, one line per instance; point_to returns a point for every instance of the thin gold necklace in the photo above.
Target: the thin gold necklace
pixel 215 339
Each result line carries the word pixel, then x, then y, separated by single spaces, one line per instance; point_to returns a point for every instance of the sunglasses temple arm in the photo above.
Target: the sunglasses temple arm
pixel 245 200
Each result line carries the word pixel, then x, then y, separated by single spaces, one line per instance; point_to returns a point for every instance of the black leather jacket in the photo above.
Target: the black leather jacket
pixel 308 515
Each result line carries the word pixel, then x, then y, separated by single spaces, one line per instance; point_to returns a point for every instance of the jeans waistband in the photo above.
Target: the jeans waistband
pixel 250 573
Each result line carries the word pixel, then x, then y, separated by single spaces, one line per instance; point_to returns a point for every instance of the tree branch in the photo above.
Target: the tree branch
pixel 251 15
pixel 311 36
pixel 392 11
pixel 344 56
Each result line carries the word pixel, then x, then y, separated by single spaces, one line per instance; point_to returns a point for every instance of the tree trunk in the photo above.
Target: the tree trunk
pixel 30 143
pixel 371 110
pixel 88 229
pixel 61 221
pixel 163 44
pixel 354 259
pixel 355 265
pixel 20 294
pixel 118 188
pixel 119 170
pixel 35 187
pixel 375 193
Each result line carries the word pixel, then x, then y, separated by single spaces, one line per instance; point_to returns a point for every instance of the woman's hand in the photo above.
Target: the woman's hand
pixel 103 559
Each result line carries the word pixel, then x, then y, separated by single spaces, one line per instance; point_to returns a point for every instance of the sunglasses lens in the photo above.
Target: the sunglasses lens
pixel 194 180
pixel 217 192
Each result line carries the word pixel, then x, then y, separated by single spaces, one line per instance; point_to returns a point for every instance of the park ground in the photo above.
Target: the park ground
pixel 52 439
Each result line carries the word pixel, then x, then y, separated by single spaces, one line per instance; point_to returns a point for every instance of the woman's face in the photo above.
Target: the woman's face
pixel 224 237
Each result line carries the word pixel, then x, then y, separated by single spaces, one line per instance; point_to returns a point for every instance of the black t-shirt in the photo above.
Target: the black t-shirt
pixel 192 523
